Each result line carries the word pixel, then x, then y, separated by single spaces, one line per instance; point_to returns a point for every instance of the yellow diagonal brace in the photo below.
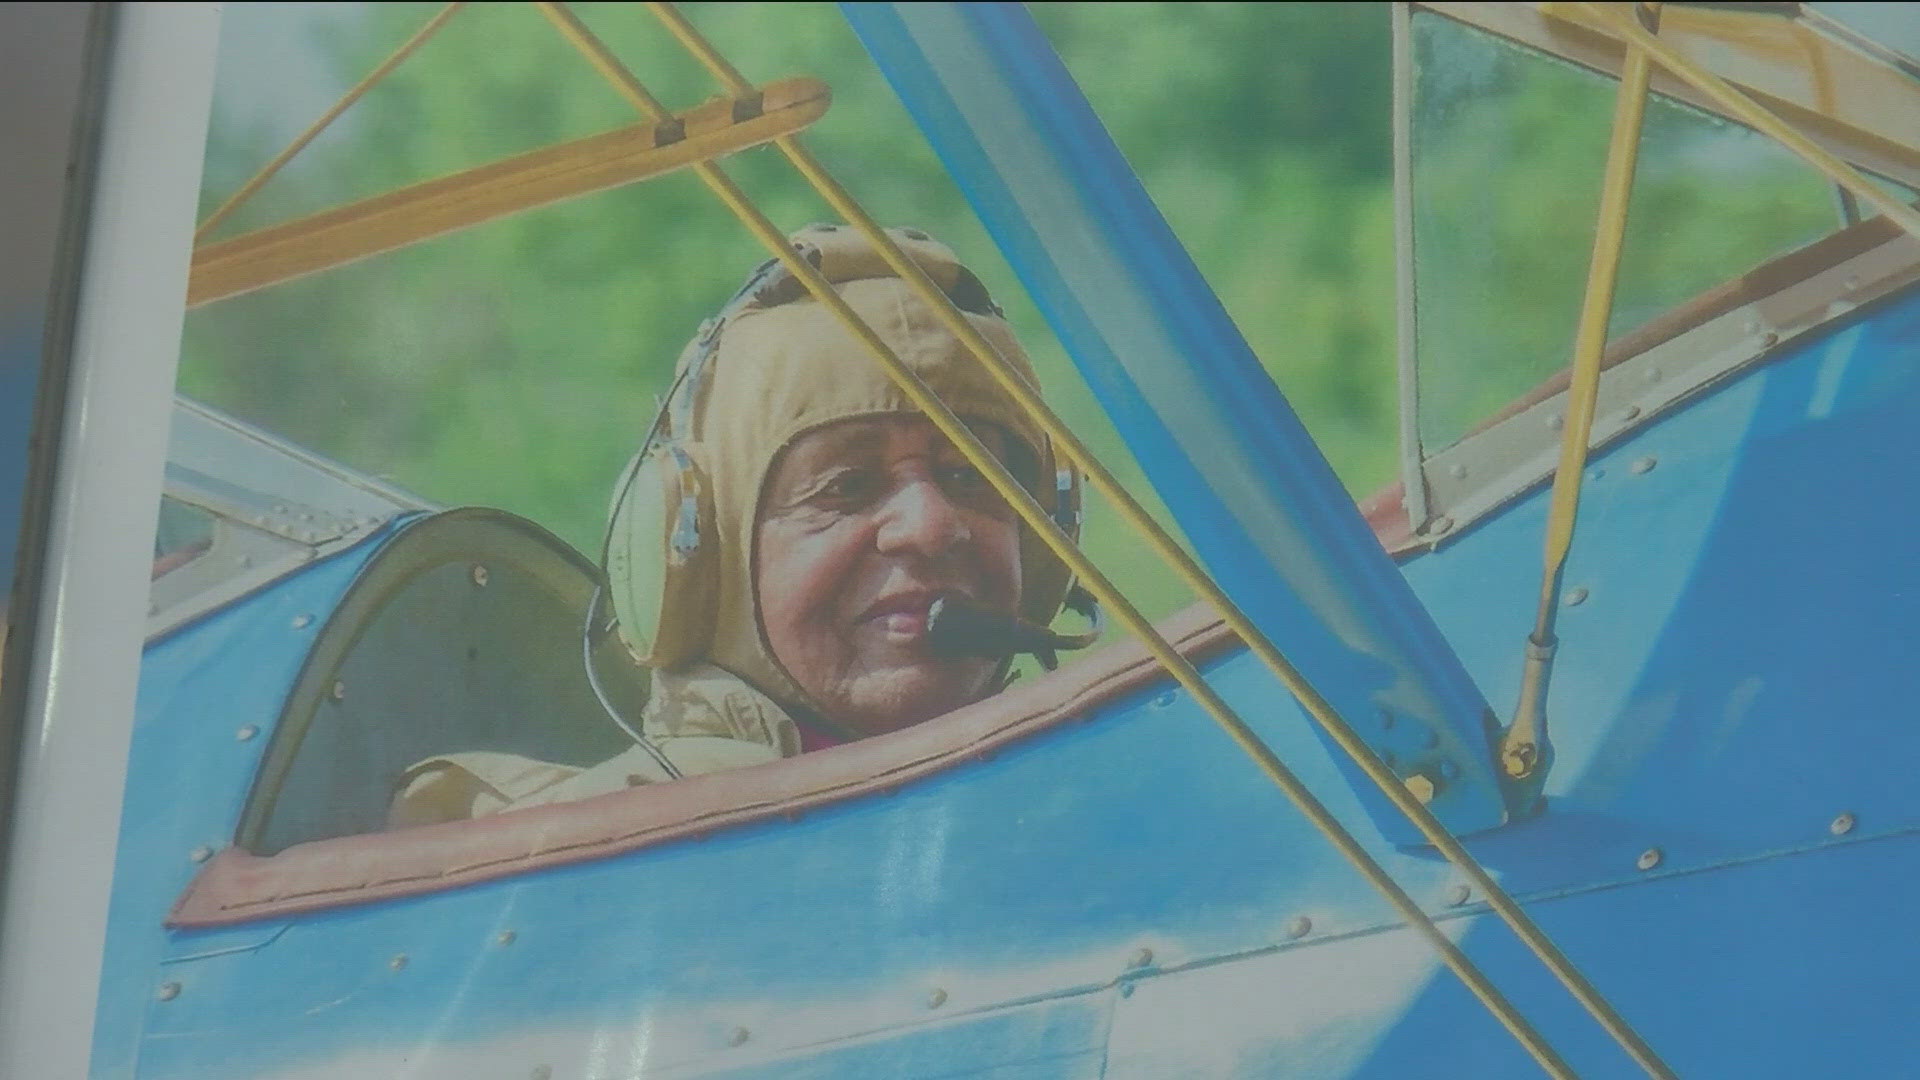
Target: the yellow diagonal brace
pixel 267 172
pixel 1097 583
pixel 1183 564
pixel 1525 752
pixel 1749 112
pixel 422 211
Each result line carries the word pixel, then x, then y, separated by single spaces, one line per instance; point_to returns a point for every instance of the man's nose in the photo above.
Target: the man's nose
pixel 921 519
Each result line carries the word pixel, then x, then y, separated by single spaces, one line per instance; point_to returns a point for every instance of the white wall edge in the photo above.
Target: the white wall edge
pixel 80 709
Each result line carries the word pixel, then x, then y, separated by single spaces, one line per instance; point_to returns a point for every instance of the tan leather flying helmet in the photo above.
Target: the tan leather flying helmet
pixel 771 366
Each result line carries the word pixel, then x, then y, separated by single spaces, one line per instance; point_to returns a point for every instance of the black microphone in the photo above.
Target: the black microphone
pixel 958 628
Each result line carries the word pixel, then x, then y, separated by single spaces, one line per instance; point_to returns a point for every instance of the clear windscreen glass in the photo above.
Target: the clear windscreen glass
pixel 1509 146
pixel 184 533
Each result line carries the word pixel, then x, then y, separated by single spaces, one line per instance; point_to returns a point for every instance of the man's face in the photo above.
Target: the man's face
pixel 863 524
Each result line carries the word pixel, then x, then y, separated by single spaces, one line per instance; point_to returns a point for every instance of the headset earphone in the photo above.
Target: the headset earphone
pixel 660 556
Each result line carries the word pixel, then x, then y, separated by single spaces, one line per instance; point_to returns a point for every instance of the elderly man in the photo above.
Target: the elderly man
pixel 779 543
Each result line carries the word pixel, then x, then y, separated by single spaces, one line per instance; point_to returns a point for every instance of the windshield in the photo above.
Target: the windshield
pixel 1507 155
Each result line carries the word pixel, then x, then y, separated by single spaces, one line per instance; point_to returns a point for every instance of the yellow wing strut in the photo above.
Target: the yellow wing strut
pixel 1525 751
pixel 408 215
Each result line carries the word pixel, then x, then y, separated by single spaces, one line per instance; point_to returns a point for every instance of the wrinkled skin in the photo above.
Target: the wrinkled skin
pixel 862 524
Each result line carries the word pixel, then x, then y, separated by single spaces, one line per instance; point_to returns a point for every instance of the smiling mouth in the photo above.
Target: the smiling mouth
pixel 904 616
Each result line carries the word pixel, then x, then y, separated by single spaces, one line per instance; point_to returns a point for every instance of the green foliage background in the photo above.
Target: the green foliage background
pixel 515 364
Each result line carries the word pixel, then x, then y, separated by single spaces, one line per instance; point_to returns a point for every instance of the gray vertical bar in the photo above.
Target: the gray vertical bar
pixel 129 307
pixel 51 64
pixel 1413 478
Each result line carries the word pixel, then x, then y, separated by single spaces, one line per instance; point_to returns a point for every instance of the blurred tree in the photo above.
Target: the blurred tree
pixel 515 364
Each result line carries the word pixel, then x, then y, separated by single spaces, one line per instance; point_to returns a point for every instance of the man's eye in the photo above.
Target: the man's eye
pixel 964 475
pixel 850 487
pixel 962 480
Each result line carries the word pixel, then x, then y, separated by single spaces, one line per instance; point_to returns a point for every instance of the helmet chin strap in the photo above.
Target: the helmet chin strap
pixel 958 628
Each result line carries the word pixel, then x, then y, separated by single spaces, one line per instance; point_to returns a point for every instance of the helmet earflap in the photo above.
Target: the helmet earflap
pixel 660 548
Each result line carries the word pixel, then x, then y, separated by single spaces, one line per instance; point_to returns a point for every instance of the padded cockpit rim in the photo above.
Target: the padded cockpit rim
pixel 236 886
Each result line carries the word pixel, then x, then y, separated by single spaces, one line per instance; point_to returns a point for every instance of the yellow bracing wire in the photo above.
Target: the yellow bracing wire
pixel 406 49
pixel 1183 564
pixel 1038 519
pixel 1749 112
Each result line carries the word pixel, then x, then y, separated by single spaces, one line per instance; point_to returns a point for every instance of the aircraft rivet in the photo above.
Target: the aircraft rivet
pixel 301 622
pixel 339 690
pixel 1459 894
pixel 1852 284
pixel 738 1036
pixel 479 575
pixel 1630 413
pixel 246 561
pixel 1439 525
pixel 399 962
pixel 505 938
pixel 1556 422
pixel 1841 825
pixel 1420 787
pixel 1649 858
pixel 1642 466
pixel 1299 926
pixel 1653 374
pixel 1448 770
pixel 1769 339
pixel 1140 958
pixel 168 991
pixel 246 732
pixel 1576 596
pixel 201 853
pixel 936 998
pixel 1164 700
pixel 1457 471
pixel 1126 990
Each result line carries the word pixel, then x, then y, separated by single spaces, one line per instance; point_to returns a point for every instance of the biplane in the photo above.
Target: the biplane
pixel 1399 797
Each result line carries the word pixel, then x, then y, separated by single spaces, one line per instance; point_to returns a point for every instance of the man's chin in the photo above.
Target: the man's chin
pixel 904 696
